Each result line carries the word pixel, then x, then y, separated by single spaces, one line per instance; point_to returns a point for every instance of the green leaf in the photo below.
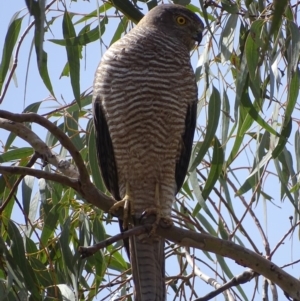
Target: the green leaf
pixel 297 148
pixel 293 92
pixel 85 101
pixel 73 55
pixel 198 194
pixel 34 205
pixel 279 9
pixel 94 14
pixel 33 107
pixel 252 111
pixel 9 44
pixel 18 253
pixel 225 118
pixel 230 7
pixel 16 154
pixel 42 57
pixel 285 189
pixel 294 51
pixel 285 134
pixel 120 29
pixel 50 222
pixel 227 37
pixel 252 53
pixel 214 108
pixel 260 160
pixel 84 37
pixel 215 168
pixel 65 248
pixel 116 261
pixel 27 186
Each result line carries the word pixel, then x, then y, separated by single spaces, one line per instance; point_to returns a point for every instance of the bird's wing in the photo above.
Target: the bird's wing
pixel 187 140
pixel 105 151
pixel 106 158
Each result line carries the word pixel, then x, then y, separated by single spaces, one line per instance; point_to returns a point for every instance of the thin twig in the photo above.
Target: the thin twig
pixel 15 64
pixel 88 251
pixel 283 238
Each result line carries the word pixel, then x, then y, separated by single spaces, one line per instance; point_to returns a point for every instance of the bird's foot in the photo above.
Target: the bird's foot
pixel 125 203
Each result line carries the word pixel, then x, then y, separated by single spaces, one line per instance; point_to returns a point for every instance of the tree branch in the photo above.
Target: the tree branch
pixel 59 134
pixel 239 254
pixel 40 147
pixel 87 190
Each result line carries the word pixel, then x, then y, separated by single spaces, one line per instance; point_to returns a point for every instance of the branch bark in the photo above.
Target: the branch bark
pixel 240 255
pixel 22 131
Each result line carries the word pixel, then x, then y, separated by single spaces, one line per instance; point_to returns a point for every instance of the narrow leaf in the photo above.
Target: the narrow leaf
pixel 214 109
pixel 27 186
pixel 73 55
pixel 16 154
pixel 215 169
pixel 9 44
pixel 227 37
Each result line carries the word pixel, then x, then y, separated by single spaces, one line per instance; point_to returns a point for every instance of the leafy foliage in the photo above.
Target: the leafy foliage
pixel 243 173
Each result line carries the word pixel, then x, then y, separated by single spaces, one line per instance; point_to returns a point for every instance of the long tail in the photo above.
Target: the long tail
pixel 148 268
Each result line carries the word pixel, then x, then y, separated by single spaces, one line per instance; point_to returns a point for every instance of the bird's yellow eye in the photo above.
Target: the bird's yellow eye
pixel 181 20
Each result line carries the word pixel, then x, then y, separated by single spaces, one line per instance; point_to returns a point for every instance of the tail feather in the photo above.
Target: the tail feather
pixel 148 268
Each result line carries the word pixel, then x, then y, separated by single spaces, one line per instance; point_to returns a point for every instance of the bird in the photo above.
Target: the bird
pixel 144 111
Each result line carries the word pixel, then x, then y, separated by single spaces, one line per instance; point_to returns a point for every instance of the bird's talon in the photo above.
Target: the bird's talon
pixel 125 204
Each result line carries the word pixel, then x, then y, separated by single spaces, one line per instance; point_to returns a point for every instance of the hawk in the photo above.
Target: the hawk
pixel 144 107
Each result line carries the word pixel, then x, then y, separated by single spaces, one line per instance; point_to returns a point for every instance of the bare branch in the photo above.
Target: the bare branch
pixel 228 249
pixel 238 253
pixel 88 251
pixel 87 190
pixel 39 174
pixel 59 134
pixel 40 147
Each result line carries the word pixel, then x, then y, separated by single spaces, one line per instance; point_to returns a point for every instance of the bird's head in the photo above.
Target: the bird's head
pixel 177 22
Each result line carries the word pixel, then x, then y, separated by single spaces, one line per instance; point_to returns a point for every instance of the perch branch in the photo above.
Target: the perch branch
pixel 228 249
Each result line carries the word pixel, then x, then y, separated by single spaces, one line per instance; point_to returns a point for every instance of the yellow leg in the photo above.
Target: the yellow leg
pixel 125 204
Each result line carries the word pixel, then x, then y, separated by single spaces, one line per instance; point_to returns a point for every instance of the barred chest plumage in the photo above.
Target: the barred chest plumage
pixel 145 104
